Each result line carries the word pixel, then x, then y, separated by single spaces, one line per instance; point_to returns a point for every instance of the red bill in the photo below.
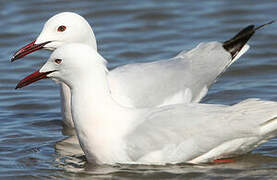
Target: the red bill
pixel 35 76
pixel 28 49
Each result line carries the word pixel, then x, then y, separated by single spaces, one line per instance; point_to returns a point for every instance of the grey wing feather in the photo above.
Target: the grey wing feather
pixel 201 127
pixel 185 77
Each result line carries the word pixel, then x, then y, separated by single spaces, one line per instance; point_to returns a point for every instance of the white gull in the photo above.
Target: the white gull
pixel 182 79
pixel 110 133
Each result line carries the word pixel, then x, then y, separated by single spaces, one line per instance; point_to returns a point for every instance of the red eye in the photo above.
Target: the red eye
pixel 58 61
pixel 61 28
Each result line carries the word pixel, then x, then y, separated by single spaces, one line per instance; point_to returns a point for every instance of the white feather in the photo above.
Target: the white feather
pixel 181 79
pixel 110 133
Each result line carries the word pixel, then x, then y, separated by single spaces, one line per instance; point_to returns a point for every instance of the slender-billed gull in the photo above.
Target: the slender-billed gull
pixel 181 79
pixel 110 133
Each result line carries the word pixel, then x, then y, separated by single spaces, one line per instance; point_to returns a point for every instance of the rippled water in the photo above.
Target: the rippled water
pixel 33 142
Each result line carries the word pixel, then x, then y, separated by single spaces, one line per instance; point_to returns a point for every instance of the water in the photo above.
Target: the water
pixel 33 142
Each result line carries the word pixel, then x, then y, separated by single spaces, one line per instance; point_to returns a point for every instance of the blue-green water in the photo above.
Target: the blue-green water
pixel 33 142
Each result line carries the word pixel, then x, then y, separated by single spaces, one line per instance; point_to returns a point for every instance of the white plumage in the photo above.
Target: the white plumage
pixel 182 79
pixel 110 133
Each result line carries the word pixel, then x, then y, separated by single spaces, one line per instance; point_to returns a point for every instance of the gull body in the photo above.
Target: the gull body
pixel 110 133
pixel 184 78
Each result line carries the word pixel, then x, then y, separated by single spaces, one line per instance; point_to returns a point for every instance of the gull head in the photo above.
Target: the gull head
pixel 62 28
pixel 69 63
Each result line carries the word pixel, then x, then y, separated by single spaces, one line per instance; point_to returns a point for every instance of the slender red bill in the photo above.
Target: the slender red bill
pixel 29 48
pixel 35 76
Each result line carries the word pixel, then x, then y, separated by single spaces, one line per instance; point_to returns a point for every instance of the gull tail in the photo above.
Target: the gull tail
pixel 235 44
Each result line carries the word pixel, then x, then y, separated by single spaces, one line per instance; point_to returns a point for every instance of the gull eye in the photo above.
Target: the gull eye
pixel 58 61
pixel 61 28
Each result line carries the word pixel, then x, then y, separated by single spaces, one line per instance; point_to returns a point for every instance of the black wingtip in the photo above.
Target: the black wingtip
pixel 259 27
pixel 235 44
